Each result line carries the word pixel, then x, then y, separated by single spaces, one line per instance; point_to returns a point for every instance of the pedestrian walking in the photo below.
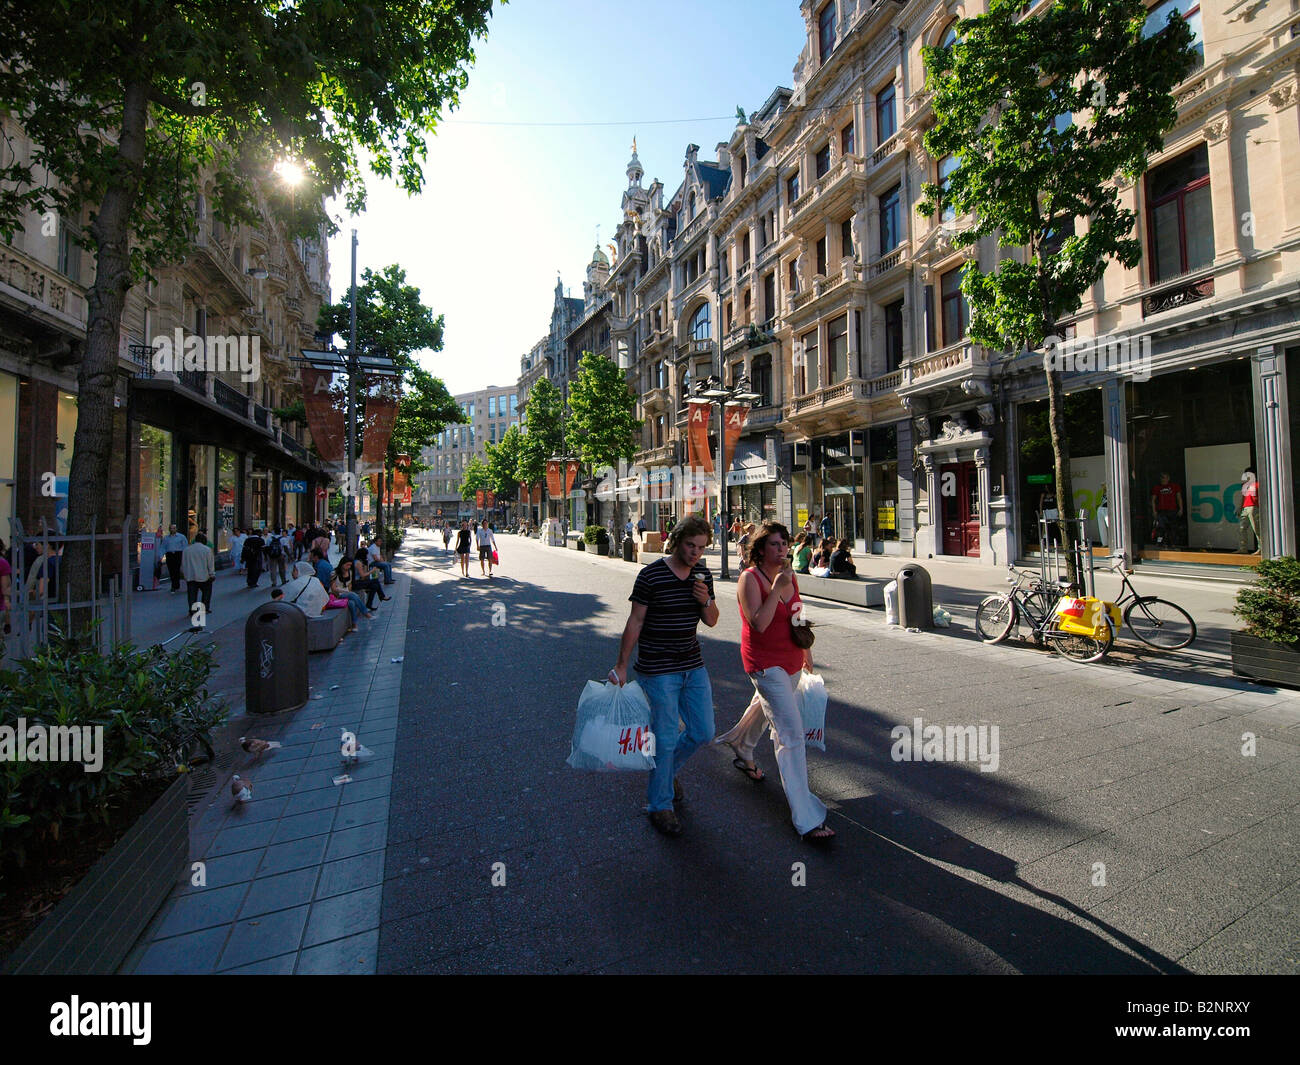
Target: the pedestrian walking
pixel 768 594
pixel 670 597
pixel 487 545
pixel 446 537
pixel 828 527
pixel 298 542
pixel 275 557
pixel 254 551
pixel 173 545
pixel 199 566
pixel 237 549
pixel 462 548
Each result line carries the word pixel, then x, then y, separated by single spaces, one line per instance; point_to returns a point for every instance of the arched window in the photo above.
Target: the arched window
pixel 949 37
pixel 700 325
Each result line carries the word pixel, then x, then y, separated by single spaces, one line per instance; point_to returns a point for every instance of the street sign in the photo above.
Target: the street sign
pixel 293 486
pixel 1039 478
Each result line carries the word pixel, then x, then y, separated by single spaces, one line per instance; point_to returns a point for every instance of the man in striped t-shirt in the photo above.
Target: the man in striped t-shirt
pixel 670 598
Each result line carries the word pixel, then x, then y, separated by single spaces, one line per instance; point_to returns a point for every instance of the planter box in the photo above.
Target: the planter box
pixel 1263 660
pixel 91 931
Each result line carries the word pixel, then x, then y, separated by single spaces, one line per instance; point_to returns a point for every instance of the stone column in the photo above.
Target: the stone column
pixel 1273 456
pixel 1227 247
pixel 1286 103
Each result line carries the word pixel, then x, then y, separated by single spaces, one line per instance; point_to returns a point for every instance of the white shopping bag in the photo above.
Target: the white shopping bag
pixel 810 695
pixel 613 729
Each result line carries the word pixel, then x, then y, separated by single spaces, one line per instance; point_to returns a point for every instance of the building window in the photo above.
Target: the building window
pixel 886 114
pixel 744 248
pixel 953 306
pixel 1158 19
pixel 690 213
pixel 794 276
pixel 492 406
pixel 769 297
pixel 891 217
pixel 826 31
pixel 69 264
pixel 792 188
pixel 837 349
pixel 846 140
pixel 760 378
pixel 700 326
pixel 748 302
pixel 514 404
pixel 893 336
pixel 1180 221
pixel 822 161
pixel 846 238
pixel 821 257
pixel 744 170
pixel 947 167
pixel 811 367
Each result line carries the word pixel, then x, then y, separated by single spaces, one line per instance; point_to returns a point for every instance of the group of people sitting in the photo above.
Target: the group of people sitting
pixel 347 581
pixel 831 559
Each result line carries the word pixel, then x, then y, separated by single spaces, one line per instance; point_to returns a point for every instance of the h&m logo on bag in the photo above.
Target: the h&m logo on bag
pixel 815 735
pixel 642 741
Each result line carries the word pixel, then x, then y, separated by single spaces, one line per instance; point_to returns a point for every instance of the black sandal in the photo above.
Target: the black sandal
pixel 749 770
pixel 828 834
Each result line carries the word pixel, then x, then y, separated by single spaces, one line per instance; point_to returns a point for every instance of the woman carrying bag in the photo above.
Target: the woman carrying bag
pixel 769 601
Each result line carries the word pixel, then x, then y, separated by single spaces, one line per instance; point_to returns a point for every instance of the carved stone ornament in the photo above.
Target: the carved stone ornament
pixel 985 412
pixel 1216 130
pixel 1282 97
pixel 954 428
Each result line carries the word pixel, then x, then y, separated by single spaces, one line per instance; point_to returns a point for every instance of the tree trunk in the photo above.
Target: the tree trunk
pixel 380 481
pixel 97 375
pixel 1061 457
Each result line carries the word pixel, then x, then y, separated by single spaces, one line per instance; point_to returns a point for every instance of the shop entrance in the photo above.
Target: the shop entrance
pixel 959 491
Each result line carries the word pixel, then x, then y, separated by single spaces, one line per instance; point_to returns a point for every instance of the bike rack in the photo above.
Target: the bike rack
pixel 1053 557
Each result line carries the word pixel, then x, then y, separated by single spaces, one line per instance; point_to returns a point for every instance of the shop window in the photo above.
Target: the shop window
pixel 1180 221
pixel 883 482
pixel 953 307
pixel 893 336
pixel 886 114
pixel 1086 437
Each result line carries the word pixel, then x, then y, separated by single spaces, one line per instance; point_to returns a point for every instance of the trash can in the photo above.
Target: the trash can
pixel 915 598
pixel 275 659
pixel 629 546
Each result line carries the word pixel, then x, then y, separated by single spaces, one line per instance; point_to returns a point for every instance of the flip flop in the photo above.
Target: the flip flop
pixel 749 770
pixel 809 837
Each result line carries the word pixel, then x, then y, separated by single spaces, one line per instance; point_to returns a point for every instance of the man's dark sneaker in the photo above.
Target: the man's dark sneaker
pixel 666 822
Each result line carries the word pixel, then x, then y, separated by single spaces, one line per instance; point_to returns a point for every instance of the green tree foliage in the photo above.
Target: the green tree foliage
pixel 1043 114
pixel 604 426
pixel 133 104
pixel 503 463
pixel 545 422
pixel 476 477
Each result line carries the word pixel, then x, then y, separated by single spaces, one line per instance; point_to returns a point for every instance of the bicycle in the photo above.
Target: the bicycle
pixel 1035 600
pixel 1156 622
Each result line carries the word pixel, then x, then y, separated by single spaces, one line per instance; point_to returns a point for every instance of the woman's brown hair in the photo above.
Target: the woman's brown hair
pixel 754 557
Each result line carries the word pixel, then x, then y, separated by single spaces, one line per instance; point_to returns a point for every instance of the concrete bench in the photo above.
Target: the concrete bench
pixel 856 591
pixel 325 631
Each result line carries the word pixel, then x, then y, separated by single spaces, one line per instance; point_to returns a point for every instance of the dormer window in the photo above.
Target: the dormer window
pixel 690 208
pixel 744 170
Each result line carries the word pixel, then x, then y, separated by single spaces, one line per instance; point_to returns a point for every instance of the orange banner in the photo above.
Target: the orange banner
pixel 568 481
pixel 553 478
pixel 733 422
pixel 325 395
pixel 478 498
pixel 697 438
pixel 381 394
pixel 489 498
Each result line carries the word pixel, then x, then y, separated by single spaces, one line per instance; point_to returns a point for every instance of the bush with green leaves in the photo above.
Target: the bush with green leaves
pixel 596 534
pixel 1271 606
pixel 393 538
pixel 155 712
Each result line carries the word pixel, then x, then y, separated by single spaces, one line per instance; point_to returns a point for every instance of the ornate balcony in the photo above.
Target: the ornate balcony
pixel 30 285
pixel 953 365
pixel 1178 292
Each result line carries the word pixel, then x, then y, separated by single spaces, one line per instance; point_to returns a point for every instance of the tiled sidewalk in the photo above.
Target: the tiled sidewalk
pixel 293 878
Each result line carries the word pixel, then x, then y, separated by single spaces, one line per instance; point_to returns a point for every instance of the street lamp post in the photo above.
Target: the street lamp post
pixel 712 389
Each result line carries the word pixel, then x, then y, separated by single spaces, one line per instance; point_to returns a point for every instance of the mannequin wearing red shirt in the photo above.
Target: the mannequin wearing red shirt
pixel 1166 500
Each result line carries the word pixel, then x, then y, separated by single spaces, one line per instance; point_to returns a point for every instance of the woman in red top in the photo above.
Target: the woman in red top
pixel 769 599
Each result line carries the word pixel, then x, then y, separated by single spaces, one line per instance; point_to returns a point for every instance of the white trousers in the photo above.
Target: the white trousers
pixel 774 705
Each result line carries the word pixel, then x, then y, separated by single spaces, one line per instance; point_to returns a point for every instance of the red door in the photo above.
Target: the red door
pixel 959 491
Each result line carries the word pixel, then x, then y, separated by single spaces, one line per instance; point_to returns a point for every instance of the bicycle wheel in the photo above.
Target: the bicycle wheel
pixel 1040 604
pixel 1081 648
pixel 1160 623
pixel 995 618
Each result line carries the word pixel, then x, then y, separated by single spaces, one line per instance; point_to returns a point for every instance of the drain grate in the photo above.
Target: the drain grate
pixel 204 778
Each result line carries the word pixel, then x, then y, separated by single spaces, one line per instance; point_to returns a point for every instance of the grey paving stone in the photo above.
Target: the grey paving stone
pixel 361 813
pixel 351 874
pixel 282 965
pixel 242 838
pixel 352 841
pixel 371 786
pixel 355 956
pixel 284 857
pixel 268 936
pixel 201 909
pixel 305 802
pixel 343 915
pixel 280 892
pixel 222 872
pixel 313 823
pixel 194 953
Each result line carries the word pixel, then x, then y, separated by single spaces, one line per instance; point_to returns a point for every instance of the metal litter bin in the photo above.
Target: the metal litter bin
pixel 915 598
pixel 275 659
pixel 629 547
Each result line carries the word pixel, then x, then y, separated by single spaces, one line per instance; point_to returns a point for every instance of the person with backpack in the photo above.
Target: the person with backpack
pixel 275 558
pixel 254 550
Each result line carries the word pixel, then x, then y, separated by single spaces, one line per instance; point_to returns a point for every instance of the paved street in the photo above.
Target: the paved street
pixel 1136 766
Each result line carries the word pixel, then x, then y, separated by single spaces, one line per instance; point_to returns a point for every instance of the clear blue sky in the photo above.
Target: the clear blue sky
pixel 507 206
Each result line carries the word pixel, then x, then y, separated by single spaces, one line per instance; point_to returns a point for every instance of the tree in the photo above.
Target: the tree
pixel 544 418
pixel 1043 114
pixel 475 478
pixel 604 424
pixel 503 463
pixel 132 104
pixel 393 322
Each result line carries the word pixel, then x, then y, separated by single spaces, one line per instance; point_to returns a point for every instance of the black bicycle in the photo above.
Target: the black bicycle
pixel 1156 622
pixel 1034 600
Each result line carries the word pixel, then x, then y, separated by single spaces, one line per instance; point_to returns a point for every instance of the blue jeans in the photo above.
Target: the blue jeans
pixel 387 568
pixel 686 696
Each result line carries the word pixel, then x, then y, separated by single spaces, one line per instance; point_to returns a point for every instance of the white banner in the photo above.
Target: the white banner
pixel 1212 494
